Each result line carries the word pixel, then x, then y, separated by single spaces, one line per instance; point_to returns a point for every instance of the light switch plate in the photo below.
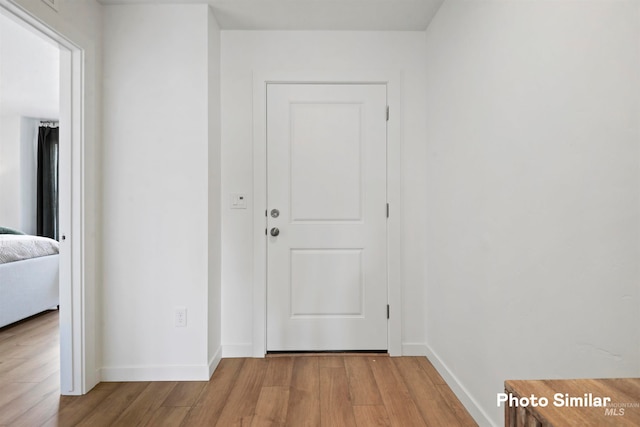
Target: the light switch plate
pixel 238 201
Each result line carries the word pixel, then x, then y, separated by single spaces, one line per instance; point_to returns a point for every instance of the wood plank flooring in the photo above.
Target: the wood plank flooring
pixel 305 390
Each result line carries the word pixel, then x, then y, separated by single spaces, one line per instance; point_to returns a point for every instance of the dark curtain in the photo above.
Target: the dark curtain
pixel 47 184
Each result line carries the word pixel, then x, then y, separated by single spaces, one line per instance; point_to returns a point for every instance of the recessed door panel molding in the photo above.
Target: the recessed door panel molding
pixel 326 177
pixel 317 150
pixel 327 283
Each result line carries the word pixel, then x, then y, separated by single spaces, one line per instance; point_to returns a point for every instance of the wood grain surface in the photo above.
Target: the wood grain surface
pixel 316 390
pixel 624 410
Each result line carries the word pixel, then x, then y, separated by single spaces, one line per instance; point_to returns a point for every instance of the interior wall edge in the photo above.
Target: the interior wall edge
pixel 237 350
pixel 458 389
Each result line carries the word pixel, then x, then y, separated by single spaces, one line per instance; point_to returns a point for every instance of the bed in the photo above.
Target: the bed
pixel 28 276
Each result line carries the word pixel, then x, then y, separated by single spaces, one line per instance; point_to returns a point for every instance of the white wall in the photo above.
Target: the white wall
pixel 29 72
pixel 214 308
pixel 29 128
pixel 156 191
pixel 309 53
pixel 533 194
pixel 10 171
pixel 18 172
pixel 29 87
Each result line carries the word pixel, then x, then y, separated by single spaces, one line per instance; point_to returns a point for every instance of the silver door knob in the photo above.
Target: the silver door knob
pixel 274 231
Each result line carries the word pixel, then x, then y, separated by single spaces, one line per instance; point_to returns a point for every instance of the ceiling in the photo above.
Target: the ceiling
pixel 331 15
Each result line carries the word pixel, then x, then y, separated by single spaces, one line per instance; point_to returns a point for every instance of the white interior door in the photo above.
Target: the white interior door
pixel 327 265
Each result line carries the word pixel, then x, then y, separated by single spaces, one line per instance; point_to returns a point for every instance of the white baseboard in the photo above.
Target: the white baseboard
pixel 414 349
pixel 215 360
pixel 458 389
pixel 237 350
pixel 156 373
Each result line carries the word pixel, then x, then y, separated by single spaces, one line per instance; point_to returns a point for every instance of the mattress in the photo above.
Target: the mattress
pixel 19 247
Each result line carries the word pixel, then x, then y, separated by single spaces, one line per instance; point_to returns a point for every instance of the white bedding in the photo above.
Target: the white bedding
pixel 15 247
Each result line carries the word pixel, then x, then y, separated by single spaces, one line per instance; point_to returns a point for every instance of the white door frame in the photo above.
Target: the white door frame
pixel 394 223
pixel 73 380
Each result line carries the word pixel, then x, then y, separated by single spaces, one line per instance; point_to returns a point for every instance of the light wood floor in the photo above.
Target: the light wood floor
pixel 335 390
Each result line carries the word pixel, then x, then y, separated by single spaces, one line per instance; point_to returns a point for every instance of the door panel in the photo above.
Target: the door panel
pixel 317 150
pixel 326 282
pixel 327 268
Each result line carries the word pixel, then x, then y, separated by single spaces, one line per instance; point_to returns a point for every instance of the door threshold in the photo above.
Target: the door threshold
pixel 328 353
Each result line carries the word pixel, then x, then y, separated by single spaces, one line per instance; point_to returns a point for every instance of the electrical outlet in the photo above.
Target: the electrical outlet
pixel 181 317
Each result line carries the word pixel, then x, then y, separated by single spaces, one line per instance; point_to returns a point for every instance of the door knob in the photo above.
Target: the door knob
pixel 274 231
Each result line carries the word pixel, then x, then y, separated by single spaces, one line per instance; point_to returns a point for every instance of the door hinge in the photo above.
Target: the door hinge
pixel 387 113
pixel 265 231
pixel 387 210
pixel 387 311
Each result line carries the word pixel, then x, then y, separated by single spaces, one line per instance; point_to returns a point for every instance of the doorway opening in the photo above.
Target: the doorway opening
pixel 70 195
